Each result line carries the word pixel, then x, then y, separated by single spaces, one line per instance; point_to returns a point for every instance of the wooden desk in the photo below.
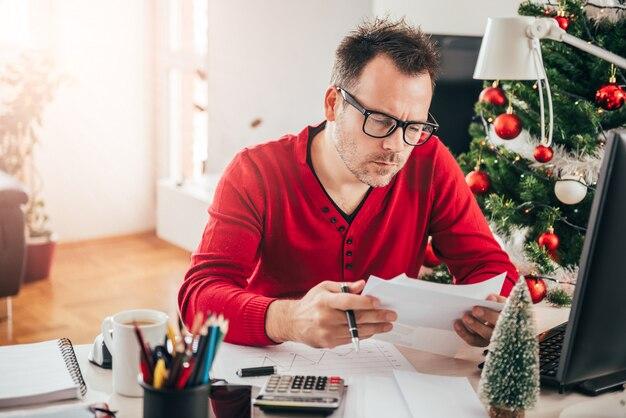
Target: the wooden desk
pixel 550 405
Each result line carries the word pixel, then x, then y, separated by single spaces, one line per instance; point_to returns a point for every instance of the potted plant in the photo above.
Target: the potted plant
pixel 27 86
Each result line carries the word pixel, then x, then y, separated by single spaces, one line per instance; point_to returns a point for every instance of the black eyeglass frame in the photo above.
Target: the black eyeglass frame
pixel 399 123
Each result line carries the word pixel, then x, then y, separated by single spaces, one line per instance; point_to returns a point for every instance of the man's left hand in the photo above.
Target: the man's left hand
pixel 476 327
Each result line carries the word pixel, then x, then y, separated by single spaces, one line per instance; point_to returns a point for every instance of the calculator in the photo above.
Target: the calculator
pixel 321 394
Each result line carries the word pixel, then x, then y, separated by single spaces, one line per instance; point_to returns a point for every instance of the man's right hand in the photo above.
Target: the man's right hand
pixel 319 318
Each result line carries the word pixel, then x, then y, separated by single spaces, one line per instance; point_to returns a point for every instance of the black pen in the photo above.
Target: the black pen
pixel 354 332
pixel 256 371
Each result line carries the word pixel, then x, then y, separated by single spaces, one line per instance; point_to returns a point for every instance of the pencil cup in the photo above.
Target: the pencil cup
pixel 192 402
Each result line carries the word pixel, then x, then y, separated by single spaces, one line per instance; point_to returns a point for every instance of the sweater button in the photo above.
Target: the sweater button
pixel 349 241
pixel 325 209
pixel 341 228
pixel 349 266
pixel 349 253
pixel 333 220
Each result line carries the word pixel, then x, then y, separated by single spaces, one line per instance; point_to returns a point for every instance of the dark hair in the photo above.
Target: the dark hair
pixel 411 50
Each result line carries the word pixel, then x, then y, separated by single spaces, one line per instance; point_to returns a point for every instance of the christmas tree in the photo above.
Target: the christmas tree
pixel 537 196
pixel 509 383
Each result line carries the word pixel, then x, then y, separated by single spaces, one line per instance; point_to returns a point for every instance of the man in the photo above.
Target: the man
pixel 356 195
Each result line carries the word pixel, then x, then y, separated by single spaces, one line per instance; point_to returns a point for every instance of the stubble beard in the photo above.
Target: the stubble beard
pixel 365 171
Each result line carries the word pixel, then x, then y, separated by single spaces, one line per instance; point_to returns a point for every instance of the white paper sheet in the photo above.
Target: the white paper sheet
pixel 439 396
pixel 427 311
pixel 375 358
pixel 375 397
pixel 477 290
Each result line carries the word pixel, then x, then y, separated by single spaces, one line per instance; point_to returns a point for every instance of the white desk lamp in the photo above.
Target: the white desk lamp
pixel 510 50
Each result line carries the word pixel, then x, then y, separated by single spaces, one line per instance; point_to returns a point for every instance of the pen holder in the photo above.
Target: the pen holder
pixel 166 403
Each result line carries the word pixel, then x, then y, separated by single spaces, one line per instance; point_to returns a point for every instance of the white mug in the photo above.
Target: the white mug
pixel 124 347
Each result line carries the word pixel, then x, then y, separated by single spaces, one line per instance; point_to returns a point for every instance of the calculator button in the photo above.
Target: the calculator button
pixel 305 390
pixel 282 390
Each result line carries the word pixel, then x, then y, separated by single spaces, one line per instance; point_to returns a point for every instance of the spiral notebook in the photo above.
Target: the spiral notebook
pixel 39 373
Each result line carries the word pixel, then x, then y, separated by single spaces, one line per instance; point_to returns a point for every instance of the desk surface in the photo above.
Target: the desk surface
pixel 550 404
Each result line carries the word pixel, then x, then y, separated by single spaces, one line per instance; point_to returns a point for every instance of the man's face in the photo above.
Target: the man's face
pixel 381 87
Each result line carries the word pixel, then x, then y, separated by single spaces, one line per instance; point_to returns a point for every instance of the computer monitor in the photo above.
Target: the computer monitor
pixel 593 354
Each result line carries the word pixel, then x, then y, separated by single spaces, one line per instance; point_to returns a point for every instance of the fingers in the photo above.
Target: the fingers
pixel 357 287
pixel 339 335
pixel 365 330
pixel 374 316
pixel 485 315
pixel 368 330
pixel 477 327
pixel 468 336
pixel 335 287
pixel 345 301
pixel 496 298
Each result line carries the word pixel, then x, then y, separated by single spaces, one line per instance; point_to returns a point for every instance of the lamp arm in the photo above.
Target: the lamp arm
pixel 545 27
pixel 594 50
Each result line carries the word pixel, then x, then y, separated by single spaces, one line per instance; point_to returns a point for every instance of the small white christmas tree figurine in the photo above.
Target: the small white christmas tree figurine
pixel 509 383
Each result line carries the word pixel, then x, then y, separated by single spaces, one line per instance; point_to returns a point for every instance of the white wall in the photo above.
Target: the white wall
pixel 97 149
pixel 270 60
pixel 447 17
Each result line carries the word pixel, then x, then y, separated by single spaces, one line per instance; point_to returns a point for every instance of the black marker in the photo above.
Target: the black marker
pixel 256 371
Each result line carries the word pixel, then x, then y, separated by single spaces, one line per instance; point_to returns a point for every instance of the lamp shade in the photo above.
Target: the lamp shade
pixel 506 51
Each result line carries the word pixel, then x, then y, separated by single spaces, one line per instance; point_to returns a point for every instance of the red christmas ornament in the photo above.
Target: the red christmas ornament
pixel 493 95
pixel 430 259
pixel 563 21
pixel 549 240
pixel 610 96
pixel 543 154
pixel 537 288
pixel 478 181
pixel 507 125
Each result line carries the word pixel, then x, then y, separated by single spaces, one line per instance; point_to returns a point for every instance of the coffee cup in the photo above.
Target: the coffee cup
pixel 119 336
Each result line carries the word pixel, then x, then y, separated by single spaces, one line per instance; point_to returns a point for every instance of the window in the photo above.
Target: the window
pixel 182 118
pixel 15 24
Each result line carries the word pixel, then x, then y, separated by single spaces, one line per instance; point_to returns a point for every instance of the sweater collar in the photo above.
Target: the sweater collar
pixel 303 141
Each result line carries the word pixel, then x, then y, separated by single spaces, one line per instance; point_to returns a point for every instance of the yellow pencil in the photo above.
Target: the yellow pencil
pixel 160 374
pixel 171 335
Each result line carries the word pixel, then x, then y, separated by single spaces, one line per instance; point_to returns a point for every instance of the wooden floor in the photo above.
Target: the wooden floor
pixel 93 279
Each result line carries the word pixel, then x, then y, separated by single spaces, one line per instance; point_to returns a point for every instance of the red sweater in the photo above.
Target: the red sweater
pixel 274 233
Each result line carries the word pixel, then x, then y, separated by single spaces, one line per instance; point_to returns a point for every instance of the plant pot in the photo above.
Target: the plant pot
pixel 495 412
pixel 39 254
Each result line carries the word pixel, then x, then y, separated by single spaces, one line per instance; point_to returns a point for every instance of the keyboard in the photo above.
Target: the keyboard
pixel 301 393
pixel 550 346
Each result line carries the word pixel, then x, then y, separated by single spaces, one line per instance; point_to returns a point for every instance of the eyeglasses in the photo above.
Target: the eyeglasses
pixel 380 125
